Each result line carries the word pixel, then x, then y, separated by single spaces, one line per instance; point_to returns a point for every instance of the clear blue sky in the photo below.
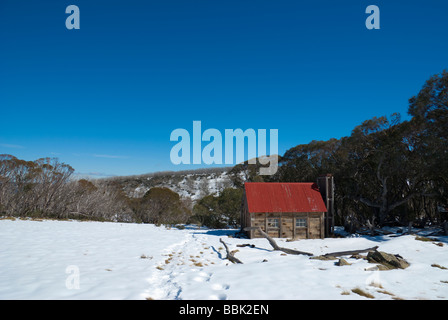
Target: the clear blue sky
pixel 105 98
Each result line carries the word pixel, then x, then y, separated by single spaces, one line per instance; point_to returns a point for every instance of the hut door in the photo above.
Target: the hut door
pixel 314 228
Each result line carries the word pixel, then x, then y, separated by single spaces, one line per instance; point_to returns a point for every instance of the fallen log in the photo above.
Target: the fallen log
pixel 351 252
pixel 275 245
pixel 230 255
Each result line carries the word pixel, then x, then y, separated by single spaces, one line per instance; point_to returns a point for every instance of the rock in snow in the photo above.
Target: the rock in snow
pixel 388 260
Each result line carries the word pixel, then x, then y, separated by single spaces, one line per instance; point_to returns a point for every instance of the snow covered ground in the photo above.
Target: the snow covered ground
pixel 94 260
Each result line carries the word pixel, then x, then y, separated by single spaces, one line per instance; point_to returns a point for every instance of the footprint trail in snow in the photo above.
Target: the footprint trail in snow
pixel 188 264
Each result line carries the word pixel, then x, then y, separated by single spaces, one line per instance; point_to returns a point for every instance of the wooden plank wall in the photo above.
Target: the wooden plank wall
pixel 287 225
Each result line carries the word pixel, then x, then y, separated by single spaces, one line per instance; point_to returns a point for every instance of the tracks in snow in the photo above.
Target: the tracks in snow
pixel 188 264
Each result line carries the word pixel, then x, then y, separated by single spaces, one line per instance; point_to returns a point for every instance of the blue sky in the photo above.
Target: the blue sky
pixel 105 98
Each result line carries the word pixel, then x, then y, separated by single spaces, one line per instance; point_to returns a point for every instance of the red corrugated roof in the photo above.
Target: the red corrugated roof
pixel 283 197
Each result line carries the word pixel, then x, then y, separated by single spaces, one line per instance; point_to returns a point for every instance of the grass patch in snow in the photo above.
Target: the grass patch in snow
pixel 425 239
pixel 8 218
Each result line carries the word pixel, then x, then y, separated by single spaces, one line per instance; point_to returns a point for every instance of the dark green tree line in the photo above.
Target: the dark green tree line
pixel 386 171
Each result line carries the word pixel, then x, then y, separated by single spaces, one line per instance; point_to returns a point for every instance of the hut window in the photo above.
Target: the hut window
pixel 273 223
pixel 301 223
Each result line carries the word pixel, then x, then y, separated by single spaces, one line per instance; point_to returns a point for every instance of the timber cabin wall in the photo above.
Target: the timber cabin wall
pixel 285 225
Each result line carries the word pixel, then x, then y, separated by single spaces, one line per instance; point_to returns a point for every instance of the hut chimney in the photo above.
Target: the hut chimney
pixel 326 188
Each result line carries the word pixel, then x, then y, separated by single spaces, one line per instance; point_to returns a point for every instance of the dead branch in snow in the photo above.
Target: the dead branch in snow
pixel 275 245
pixel 291 251
pixel 230 255
pixel 351 252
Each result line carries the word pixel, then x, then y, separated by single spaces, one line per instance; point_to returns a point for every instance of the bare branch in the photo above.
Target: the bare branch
pixel 230 256
pixel 275 245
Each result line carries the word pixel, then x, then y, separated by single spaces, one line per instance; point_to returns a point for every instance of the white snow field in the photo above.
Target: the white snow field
pixel 94 260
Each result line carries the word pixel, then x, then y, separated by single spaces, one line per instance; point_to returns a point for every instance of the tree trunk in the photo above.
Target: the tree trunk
pixel 371 226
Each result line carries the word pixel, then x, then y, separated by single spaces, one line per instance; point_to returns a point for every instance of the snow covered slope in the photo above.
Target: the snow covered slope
pixel 41 260
pixel 193 184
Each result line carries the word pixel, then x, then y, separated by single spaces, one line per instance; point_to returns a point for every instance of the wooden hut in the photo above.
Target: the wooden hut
pixel 284 210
